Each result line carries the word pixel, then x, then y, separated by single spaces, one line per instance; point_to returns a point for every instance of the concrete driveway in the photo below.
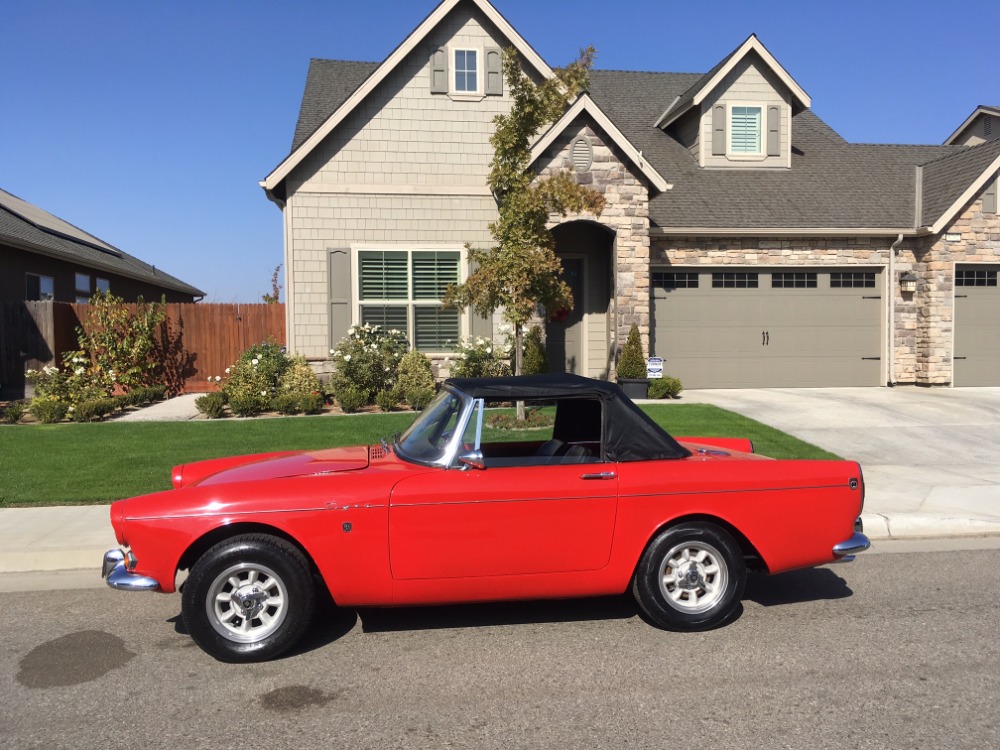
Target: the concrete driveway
pixel 931 456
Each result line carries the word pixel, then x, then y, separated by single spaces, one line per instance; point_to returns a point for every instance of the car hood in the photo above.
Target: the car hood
pixel 271 466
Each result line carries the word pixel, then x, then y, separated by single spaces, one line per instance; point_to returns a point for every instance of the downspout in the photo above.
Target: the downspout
pixel 893 250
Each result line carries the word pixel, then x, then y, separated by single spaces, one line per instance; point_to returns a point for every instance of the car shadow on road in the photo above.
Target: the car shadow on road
pixel 497 613
pixel 812 584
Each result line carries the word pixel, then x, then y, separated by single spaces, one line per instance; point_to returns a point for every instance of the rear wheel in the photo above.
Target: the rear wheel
pixel 249 598
pixel 690 577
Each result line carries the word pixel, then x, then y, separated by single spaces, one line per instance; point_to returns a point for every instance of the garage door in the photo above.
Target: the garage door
pixel 754 328
pixel 977 325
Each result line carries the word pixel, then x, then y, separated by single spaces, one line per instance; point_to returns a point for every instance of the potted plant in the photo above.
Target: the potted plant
pixel 632 367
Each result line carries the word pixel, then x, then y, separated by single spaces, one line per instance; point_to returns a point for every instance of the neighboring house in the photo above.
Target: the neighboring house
pixel 43 257
pixel 751 243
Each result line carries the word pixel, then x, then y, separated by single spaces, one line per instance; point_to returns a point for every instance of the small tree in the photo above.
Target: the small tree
pixel 521 270
pixel 274 297
pixel 122 342
pixel 632 365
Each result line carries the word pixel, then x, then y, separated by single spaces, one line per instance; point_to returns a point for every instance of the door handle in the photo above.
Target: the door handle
pixel 600 475
pixel 765 338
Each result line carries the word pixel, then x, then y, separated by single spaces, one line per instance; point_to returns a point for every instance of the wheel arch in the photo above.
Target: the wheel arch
pixel 209 539
pixel 751 557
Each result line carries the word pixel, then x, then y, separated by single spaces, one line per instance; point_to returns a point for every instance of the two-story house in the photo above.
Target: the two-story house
pixel 751 243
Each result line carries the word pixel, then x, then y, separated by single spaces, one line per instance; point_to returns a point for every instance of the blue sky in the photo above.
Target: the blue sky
pixel 149 123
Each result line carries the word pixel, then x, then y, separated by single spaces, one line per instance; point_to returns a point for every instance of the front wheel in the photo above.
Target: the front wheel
pixel 691 577
pixel 249 598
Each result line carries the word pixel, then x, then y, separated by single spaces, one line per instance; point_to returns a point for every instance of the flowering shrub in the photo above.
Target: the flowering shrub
pixel 481 358
pixel 367 360
pixel 71 384
pixel 253 381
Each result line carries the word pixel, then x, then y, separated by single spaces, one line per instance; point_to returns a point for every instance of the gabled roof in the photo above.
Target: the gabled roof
pixel 584 104
pixel 384 69
pixel 833 187
pixel 705 85
pixel 982 109
pixel 27 227
pixel 951 181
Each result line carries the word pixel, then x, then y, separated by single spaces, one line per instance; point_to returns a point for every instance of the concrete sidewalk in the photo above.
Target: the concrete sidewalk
pixel 930 458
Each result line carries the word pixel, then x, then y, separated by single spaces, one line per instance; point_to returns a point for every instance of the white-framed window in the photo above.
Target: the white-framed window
pixel 746 127
pixel 402 290
pixel 38 287
pixel 465 71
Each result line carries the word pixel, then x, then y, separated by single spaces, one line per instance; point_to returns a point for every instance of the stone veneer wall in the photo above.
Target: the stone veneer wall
pixel 626 213
pixel 932 307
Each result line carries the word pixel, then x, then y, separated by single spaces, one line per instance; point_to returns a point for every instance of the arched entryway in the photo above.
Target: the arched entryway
pixel 581 342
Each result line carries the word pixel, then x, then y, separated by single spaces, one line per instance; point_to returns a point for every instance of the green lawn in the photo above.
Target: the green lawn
pixel 69 464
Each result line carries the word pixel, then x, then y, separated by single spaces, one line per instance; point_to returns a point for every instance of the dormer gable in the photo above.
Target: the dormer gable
pixel 981 126
pixel 739 114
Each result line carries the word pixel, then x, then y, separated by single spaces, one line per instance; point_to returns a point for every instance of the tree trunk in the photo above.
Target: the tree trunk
pixel 519 364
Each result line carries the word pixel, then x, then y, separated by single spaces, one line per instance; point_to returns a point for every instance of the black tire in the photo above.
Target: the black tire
pixel 691 577
pixel 249 598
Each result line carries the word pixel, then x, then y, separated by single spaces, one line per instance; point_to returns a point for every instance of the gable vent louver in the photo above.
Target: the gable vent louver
pixel 988 126
pixel 582 155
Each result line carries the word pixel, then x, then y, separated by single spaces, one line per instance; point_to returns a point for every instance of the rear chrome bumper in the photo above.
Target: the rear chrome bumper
pixel 115 571
pixel 846 550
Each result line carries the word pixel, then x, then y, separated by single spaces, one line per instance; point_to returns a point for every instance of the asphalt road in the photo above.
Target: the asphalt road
pixel 892 651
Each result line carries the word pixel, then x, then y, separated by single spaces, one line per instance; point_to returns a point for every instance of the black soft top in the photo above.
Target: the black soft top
pixel 629 434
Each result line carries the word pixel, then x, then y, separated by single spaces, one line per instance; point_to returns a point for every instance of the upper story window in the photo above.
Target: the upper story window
pixel 745 124
pixel 103 285
pixel 39 287
pixel 467 74
pixel 466 64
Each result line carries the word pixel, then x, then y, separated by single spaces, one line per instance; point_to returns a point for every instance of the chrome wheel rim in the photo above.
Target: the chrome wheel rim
pixel 247 602
pixel 693 577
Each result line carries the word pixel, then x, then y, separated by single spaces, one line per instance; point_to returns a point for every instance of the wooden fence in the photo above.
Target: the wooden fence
pixel 203 339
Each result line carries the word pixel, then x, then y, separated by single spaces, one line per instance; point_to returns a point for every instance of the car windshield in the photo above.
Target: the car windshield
pixel 428 439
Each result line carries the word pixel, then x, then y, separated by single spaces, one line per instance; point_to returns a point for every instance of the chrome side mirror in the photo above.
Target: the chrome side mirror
pixel 472 460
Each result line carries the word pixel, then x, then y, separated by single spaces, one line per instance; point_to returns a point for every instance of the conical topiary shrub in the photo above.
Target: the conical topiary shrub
pixel 632 366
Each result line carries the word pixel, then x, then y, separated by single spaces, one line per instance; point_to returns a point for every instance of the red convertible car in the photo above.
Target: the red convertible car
pixel 454 510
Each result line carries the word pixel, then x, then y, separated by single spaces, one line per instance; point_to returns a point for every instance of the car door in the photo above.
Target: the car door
pixel 502 521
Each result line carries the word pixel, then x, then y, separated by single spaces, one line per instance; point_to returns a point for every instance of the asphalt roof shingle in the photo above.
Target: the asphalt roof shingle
pixel 38 229
pixel 832 184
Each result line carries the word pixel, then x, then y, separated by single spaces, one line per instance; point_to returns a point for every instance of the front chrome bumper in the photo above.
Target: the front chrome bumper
pixel 115 571
pixel 846 550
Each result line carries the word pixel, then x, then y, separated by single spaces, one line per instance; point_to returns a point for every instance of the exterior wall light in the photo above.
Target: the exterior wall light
pixel 908 283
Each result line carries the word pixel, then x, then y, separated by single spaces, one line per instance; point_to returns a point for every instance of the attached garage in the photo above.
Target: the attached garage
pixel 757 328
pixel 977 325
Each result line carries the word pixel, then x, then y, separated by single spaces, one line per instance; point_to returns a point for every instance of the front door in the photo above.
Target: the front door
pixel 565 336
